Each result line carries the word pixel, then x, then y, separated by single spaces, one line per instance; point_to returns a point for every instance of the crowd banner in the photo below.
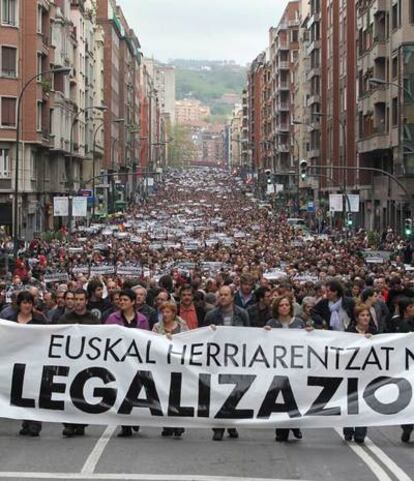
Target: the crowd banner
pixel 205 378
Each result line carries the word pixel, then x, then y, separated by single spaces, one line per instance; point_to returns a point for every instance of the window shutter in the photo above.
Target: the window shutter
pixel 8 56
pixel 8 112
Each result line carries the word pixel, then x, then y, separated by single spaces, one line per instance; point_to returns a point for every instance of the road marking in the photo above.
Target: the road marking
pixel 97 451
pixel 378 471
pixel 132 477
pixel 391 465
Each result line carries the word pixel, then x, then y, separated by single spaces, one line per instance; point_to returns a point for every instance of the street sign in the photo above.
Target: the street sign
pixel 310 207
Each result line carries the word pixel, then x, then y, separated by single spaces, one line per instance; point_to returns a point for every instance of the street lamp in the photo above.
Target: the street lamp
pixel 100 108
pixel 61 70
pixel 401 146
pixel 98 128
pixel 378 81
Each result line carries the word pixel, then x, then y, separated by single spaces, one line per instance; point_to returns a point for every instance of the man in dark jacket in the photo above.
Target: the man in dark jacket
pixel 97 304
pixel 244 296
pixel 149 312
pixel 260 312
pixel 226 314
pixel 336 310
pixel 79 315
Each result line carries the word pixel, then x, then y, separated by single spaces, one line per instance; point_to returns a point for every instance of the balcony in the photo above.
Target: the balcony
pixel 314 153
pixel 283 148
pixel 294 23
pixel 379 50
pixel 379 140
pixel 283 65
pixel 283 46
pixel 378 6
pixel 314 99
pixel 314 72
pixel 283 85
pixel 313 19
pixel 283 128
pixel 316 44
pixel 283 106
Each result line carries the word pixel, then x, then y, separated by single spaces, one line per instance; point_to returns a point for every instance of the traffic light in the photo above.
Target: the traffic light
pixel 349 219
pixel 303 169
pixel 408 227
pixel 268 173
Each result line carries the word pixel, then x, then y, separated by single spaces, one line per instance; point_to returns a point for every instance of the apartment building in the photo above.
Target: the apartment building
pixel 235 136
pixel 36 37
pixel 63 123
pixel 255 88
pixel 284 45
pixel 191 112
pixel 385 122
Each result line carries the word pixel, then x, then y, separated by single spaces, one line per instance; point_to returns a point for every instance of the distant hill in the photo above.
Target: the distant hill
pixel 212 82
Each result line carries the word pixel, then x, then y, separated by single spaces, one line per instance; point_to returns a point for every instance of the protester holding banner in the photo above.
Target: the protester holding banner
pixel 363 325
pixel 226 314
pixel 25 315
pixel 79 315
pixel 170 324
pixel 128 317
pixel 336 310
pixel 97 304
pixel 283 317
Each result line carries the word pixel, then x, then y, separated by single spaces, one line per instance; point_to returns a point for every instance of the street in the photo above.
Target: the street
pixel 321 455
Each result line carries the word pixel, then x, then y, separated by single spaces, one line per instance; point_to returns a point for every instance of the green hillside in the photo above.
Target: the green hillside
pixel 209 82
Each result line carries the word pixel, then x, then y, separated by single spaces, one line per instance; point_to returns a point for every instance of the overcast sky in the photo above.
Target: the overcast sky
pixel 203 29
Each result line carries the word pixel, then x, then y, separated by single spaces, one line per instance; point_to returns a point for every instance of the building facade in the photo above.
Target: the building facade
pixel 77 67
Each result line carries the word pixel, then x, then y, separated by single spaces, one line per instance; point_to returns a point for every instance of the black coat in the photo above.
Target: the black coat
pixel 240 317
pixel 321 311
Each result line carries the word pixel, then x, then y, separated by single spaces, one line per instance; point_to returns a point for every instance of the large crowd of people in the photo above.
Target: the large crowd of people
pixel 203 251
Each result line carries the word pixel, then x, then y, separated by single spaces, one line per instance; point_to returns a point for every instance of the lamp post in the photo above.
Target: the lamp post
pixel 98 128
pixel 64 71
pixel 100 108
pixel 401 146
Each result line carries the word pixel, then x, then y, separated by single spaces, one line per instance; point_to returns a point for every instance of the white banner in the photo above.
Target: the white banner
pixel 352 204
pixel 80 206
pixel 60 206
pixel 335 203
pixel 225 377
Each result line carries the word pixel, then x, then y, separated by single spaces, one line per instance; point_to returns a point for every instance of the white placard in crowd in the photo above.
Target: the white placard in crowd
pixel 352 203
pixel 79 206
pixel 226 377
pixel 335 203
pixel 60 206
pixel 270 189
pixel 150 181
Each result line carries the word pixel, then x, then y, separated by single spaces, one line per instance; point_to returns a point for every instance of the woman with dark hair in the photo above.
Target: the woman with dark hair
pixel 129 317
pixel 25 315
pixel 378 310
pixel 406 310
pixel 363 325
pixel 169 325
pixel 283 318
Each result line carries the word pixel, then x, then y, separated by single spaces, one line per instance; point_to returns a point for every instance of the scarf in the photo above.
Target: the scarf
pixel 335 322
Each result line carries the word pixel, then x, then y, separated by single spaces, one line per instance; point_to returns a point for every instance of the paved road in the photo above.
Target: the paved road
pixel 100 455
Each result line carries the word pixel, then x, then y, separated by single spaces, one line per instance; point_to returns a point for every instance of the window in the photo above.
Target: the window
pixel 4 163
pixel 394 111
pixel 39 65
pixel 39 116
pixel 8 62
pixel 8 112
pixel 39 19
pixel 9 12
